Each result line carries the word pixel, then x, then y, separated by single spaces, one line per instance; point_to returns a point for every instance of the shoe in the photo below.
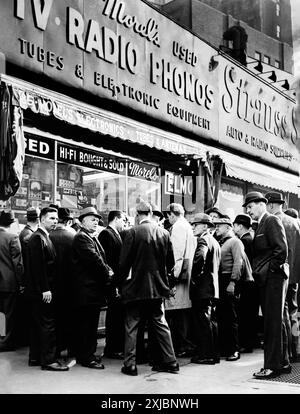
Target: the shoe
pixel 217 360
pixel 184 354
pixel 33 363
pixel 246 351
pixel 55 366
pixel 286 370
pixel 204 361
pixel 130 370
pixel 266 373
pixel 171 367
pixel 93 364
pixel 114 355
pixel 234 357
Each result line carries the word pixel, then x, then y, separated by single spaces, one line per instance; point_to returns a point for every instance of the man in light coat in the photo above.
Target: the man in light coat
pixel 178 307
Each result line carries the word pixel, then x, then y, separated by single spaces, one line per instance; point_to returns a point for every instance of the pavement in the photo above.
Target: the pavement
pixel 16 377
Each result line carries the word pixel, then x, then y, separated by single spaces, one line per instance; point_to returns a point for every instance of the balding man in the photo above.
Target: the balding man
pixel 269 270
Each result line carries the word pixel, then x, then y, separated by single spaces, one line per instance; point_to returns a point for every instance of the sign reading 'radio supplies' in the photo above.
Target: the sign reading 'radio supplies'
pixel 121 50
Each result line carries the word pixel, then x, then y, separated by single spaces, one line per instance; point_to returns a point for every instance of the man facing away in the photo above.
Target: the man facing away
pixel 204 291
pixel 11 283
pixel 146 259
pixel 110 240
pixel 292 231
pixel 178 307
pixel 269 270
pixel 42 292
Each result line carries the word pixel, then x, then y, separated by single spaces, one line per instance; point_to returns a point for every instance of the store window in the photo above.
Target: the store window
pixel 231 199
pixel 143 185
pixel 278 31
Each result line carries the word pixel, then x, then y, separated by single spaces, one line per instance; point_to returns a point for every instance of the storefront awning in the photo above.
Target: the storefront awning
pixel 74 112
pixel 257 173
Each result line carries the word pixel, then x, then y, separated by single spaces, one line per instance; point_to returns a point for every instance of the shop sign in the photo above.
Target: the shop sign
pixel 143 171
pixel 178 184
pixel 122 50
pixel 257 120
pixel 91 159
pixel 39 146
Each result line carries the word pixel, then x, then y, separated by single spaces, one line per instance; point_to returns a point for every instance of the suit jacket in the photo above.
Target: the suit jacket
pixel 204 280
pixel 11 264
pixel 90 269
pixel 247 241
pixel 112 244
pixel 292 232
pixel 146 259
pixel 270 249
pixel 41 264
pixel 24 237
pixel 62 240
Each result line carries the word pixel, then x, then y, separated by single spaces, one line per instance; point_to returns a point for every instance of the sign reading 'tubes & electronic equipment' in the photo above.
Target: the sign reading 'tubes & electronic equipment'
pixel 120 50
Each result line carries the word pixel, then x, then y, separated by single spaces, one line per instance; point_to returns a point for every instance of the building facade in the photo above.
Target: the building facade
pixel 121 103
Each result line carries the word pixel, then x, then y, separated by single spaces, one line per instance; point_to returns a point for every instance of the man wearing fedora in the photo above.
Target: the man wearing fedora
pixel 232 252
pixel 11 274
pixel 292 231
pixel 62 238
pixel 249 297
pixel 204 291
pixel 91 274
pixel 270 272
pixel 42 291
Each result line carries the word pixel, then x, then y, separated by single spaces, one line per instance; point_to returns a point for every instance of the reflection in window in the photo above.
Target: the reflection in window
pixel 142 190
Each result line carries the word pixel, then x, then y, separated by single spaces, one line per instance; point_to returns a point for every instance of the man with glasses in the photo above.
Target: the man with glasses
pixel 204 290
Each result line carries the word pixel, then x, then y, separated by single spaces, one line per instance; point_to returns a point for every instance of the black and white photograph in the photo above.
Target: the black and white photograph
pixel 149 200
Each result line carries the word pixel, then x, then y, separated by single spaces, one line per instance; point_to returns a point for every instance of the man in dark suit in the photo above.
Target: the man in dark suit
pixel 62 238
pixel 41 290
pixel 91 276
pixel 23 309
pixel 292 231
pixel 11 273
pixel 111 242
pixel 146 259
pixel 249 296
pixel 270 272
pixel 204 291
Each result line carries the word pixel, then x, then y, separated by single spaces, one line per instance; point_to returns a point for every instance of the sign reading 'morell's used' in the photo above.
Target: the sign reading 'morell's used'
pixel 120 50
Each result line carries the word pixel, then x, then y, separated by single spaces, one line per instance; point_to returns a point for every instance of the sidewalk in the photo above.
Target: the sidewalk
pixel 224 378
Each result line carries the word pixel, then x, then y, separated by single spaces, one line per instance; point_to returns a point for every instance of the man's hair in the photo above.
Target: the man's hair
pixel 47 210
pixel 113 214
pixel 176 209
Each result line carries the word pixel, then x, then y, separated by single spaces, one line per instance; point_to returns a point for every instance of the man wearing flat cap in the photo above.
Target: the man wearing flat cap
pixel 232 253
pixel 11 274
pixel 249 297
pixel 62 238
pixel 91 276
pixel 269 270
pixel 204 291
pixel 146 260
pixel 292 231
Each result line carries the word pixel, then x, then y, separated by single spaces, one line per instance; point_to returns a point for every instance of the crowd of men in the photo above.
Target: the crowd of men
pixel 196 288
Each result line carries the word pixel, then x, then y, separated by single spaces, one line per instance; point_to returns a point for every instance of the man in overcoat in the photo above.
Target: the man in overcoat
pixel 11 279
pixel 91 276
pixel 111 242
pixel 292 231
pixel 204 291
pixel 145 262
pixel 270 272
pixel 42 293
